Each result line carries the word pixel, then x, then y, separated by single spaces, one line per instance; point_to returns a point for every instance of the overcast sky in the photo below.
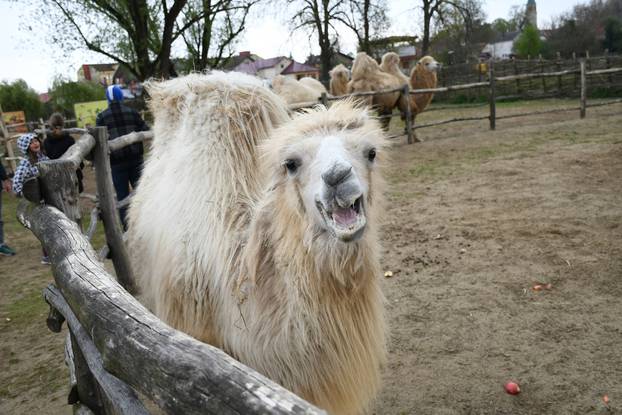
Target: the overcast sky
pixel 28 56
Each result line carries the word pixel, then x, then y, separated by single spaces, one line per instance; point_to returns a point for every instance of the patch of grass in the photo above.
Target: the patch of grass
pixel 430 169
pixel 29 308
pixel 47 376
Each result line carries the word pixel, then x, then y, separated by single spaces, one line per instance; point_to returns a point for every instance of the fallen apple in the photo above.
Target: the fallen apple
pixel 512 388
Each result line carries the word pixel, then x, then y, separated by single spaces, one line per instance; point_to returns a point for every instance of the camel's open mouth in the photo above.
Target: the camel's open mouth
pixel 346 223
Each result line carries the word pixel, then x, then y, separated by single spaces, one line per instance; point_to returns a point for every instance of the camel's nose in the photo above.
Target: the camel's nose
pixel 337 173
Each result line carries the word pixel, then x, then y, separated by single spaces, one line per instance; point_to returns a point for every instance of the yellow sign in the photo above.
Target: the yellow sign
pixel 15 121
pixel 86 112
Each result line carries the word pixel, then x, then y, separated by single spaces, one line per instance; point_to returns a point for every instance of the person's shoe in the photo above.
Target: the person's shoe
pixel 45 260
pixel 6 250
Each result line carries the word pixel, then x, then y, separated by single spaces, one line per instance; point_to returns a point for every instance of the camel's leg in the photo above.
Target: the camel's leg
pixel 412 125
pixel 385 118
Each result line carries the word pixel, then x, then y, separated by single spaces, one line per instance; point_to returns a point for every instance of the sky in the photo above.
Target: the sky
pixel 26 54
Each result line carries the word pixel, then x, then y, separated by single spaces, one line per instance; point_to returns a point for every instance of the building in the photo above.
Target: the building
pixel 531 14
pixel 404 46
pixel 280 65
pixel 503 46
pixel 101 73
pixel 300 70
pixel 338 58
pixel 264 68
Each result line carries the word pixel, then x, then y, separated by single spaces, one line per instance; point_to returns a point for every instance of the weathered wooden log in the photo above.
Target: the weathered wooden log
pixel 7 142
pixel 55 320
pixel 300 105
pixel 177 372
pixel 435 123
pixel 448 88
pixel 526 114
pixel 109 213
pixel 535 75
pixel 364 94
pixel 119 394
pixel 600 104
pixel 59 186
pixel 94 216
pixel 131 138
pixel 32 190
pixel 80 150
pixel 86 384
pixel 65 130
pixel 493 96
pixel 405 100
pixel 604 71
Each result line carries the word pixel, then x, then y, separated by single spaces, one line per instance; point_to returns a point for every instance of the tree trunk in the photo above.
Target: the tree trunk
pixel 427 17
pixel 139 14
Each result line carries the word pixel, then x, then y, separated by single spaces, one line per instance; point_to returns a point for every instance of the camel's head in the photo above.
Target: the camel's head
pixel 340 73
pixel 390 60
pixel 428 63
pixel 326 171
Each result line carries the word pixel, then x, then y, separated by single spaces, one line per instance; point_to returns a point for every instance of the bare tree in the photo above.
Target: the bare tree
pixel 367 19
pixel 319 16
pixel 436 10
pixel 216 28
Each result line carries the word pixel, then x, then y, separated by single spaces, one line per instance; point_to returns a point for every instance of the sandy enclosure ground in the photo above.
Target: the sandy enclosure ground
pixel 474 220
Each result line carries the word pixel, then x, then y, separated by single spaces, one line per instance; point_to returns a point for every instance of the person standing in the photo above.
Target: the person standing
pixel 125 163
pixel 58 142
pixel 6 186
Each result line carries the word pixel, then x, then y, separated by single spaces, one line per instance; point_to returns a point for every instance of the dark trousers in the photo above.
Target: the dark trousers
pixel 124 175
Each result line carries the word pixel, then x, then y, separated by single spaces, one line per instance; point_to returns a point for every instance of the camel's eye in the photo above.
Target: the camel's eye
pixel 371 154
pixel 292 165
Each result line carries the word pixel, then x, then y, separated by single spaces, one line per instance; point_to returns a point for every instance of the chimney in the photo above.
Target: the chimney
pixel 245 54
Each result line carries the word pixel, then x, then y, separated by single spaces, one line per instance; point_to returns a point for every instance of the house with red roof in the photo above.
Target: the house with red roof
pixel 280 65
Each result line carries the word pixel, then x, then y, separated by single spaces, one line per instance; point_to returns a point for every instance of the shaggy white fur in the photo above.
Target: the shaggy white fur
pixel 295 91
pixel 257 233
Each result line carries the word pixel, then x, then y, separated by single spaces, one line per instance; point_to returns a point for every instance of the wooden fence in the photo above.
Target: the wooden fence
pixel 492 84
pixel 121 357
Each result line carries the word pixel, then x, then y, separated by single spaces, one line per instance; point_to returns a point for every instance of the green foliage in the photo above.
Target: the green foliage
pixel 528 43
pixel 18 96
pixel 65 93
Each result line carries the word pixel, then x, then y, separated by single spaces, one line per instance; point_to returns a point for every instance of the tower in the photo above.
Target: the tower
pixel 531 14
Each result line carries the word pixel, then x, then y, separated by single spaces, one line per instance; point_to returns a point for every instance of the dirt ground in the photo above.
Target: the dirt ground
pixel 475 220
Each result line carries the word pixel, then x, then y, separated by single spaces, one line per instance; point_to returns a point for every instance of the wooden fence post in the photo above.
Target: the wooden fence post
pixel 110 216
pixel 583 89
pixel 7 143
pixel 405 97
pixel 574 61
pixel 559 78
pixel 493 98
pixel 59 186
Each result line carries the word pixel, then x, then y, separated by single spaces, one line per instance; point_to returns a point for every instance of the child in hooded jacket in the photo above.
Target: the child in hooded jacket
pixel 30 146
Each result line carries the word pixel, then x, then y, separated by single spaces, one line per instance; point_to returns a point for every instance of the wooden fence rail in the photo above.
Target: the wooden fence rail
pixel 491 84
